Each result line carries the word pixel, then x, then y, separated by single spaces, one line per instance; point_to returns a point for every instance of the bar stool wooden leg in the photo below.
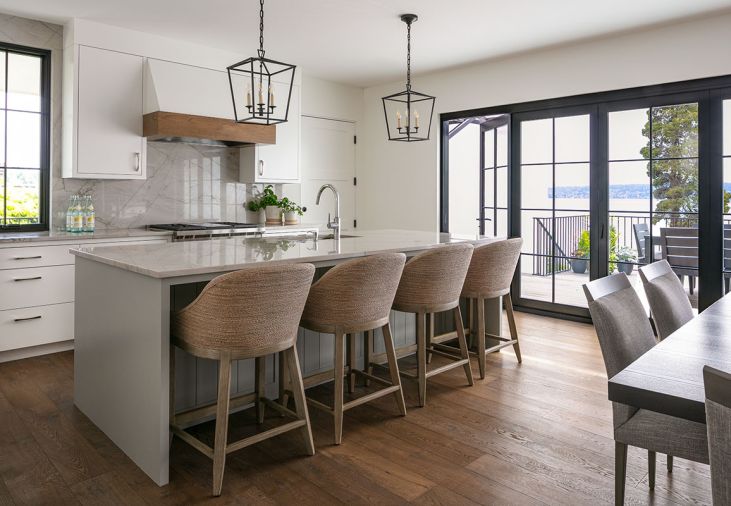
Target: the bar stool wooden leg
pixel 513 328
pixel 351 362
pixel 481 360
pixel 393 368
pixel 429 335
pixel 471 320
pixel 283 396
pixel 421 356
pixel 339 373
pixel 464 351
pixel 172 391
pixel 260 381
pixel 219 448
pixel 367 347
pixel 298 392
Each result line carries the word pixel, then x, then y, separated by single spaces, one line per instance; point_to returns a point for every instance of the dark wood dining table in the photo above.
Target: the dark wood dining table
pixel 669 377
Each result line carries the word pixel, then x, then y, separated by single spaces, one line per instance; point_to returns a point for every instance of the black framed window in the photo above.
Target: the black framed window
pixel 24 138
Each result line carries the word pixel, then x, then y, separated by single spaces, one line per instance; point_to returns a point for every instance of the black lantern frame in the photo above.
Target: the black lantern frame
pixel 256 102
pixel 406 128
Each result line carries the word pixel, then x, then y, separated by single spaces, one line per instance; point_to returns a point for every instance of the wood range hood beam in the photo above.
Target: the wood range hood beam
pixel 161 125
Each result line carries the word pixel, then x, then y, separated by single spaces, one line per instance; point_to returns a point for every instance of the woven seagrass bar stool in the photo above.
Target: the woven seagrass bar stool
pixel 352 297
pixel 431 283
pixel 489 277
pixel 237 316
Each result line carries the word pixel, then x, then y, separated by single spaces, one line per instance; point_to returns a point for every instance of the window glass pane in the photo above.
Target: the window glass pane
pixel 489 187
pixel 628 134
pixel 24 82
pixel 2 138
pixel 489 148
pixel 24 139
pixel 24 191
pixel 675 131
pixel 489 222
pixel 572 186
pixel 536 262
pixel 502 187
pixel 629 186
pixel 572 139
pixel 2 196
pixel 536 141
pixel 675 193
pixel 727 214
pixel 727 127
pixel 502 223
pixel 537 187
pixel 3 55
pixel 502 145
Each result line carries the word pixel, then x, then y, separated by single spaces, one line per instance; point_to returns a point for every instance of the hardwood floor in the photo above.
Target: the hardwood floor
pixel 536 433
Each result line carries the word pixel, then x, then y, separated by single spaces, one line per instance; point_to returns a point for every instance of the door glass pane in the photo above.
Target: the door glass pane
pixel 24 82
pixel 489 187
pixel 675 131
pixel 537 188
pixel 628 135
pixel 502 146
pixel 3 55
pixel 489 148
pixel 502 187
pixel 537 262
pixel 572 186
pixel 629 186
pixel 24 139
pixel 727 218
pixel 2 196
pixel 726 128
pixel 572 139
pixel 675 192
pixel 572 256
pixel 23 197
pixel 536 141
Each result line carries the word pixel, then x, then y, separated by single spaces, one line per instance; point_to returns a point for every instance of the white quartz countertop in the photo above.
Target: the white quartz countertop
pixel 220 255
pixel 61 235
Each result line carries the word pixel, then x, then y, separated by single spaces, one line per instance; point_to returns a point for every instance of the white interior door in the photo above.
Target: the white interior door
pixel 328 156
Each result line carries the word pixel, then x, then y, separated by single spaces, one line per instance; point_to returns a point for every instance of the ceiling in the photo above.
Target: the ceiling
pixel 362 42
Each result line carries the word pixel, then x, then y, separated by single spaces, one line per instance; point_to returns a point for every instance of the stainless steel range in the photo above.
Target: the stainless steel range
pixel 219 229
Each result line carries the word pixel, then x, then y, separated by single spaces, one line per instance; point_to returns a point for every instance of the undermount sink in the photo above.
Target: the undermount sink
pixel 332 236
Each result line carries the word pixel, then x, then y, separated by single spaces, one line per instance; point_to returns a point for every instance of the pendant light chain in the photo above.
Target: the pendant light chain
pixel 408 56
pixel 261 28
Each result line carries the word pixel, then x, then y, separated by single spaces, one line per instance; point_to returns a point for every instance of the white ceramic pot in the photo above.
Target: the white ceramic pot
pixel 291 218
pixel 261 217
pixel 273 214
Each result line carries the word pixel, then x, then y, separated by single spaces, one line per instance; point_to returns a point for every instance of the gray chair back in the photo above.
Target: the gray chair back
pixel 669 304
pixel 641 230
pixel 718 422
pixel 622 326
pixel 680 248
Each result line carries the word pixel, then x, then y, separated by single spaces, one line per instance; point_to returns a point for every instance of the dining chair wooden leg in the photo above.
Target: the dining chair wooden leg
pixel 259 382
pixel 298 392
pixel 651 465
pixel 367 348
pixel 481 360
pixel 339 373
pixel 171 407
pixel 513 328
pixel 421 356
pixel 393 368
pixel 670 463
pixel 464 351
pixel 620 472
pixel 429 335
pixel 283 383
pixel 351 362
pixel 219 447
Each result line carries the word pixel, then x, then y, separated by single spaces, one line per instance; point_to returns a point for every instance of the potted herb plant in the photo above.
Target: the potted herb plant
pixel 292 211
pixel 625 258
pixel 581 254
pixel 269 203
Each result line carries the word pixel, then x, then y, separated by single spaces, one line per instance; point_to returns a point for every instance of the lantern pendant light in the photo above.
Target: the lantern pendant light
pixel 406 111
pixel 257 82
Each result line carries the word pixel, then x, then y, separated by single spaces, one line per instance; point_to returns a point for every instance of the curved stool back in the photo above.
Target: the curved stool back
pixel 245 314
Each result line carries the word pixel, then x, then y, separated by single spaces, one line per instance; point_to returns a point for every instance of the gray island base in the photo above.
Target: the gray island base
pixel 124 298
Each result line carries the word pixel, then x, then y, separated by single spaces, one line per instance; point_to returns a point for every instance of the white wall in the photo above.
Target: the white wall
pixel 401 179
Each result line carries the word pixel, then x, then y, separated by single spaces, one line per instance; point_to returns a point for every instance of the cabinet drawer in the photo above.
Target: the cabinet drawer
pixel 36 287
pixel 35 256
pixel 20 328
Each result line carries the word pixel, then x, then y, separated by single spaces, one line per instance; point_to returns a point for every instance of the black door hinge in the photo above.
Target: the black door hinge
pixel 355 181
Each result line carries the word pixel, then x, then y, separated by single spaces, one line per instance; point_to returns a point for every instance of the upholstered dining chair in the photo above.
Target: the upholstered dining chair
pixel 718 420
pixel 669 304
pixel 625 334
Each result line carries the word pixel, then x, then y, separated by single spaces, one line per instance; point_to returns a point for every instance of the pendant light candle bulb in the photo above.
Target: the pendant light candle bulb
pixel 416 119
pixel 398 119
pixel 271 96
pixel 248 97
pixel 261 95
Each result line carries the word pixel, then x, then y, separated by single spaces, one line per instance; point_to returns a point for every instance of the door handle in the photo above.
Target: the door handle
pixel 261 167
pixel 28 279
pixel 16 320
pixel 28 258
pixel 137 162
pixel 601 232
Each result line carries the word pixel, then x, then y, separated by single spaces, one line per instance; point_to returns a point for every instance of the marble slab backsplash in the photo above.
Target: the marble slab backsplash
pixel 185 182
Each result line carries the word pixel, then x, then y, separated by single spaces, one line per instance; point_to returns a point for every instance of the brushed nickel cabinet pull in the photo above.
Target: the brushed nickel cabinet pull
pixel 16 320
pixel 137 162
pixel 28 279
pixel 28 258
pixel 261 167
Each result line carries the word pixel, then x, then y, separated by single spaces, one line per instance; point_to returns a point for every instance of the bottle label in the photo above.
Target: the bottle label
pixel 89 225
pixel 78 222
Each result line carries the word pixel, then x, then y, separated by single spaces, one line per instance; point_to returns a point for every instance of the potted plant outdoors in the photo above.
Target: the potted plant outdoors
pixel 269 202
pixel 625 258
pixel 292 211
pixel 581 254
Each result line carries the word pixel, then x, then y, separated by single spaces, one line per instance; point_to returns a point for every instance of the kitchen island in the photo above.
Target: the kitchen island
pixel 124 298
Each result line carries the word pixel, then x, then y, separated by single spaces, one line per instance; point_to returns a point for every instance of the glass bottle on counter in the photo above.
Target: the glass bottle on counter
pixel 78 215
pixel 88 217
pixel 70 214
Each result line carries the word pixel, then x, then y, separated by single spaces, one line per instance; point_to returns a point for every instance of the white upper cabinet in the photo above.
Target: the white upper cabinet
pixel 280 162
pixel 103 139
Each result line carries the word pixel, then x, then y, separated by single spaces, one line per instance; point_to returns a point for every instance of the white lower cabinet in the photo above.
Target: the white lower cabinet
pixel 38 286
pixel 34 326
